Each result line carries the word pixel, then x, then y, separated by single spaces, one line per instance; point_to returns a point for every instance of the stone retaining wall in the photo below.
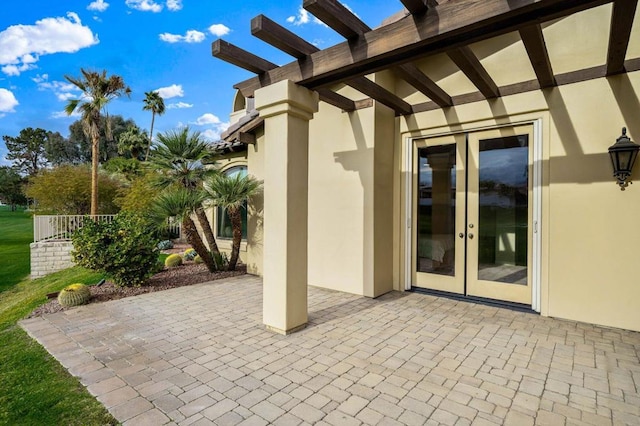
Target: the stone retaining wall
pixel 50 256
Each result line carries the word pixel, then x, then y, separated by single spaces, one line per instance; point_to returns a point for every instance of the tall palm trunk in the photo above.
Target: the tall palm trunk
pixel 153 119
pixel 95 151
pixel 206 230
pixel 236 224
pixel 193 238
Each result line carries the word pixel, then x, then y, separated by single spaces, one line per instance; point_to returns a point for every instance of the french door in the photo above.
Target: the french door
pixel 472 210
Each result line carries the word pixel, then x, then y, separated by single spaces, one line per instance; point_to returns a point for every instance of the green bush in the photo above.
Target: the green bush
pixel 173 260
pixel 165 245
pixel 125 249
pixel 74 295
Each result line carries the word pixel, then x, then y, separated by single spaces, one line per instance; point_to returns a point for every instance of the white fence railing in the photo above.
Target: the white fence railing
pixel 61 227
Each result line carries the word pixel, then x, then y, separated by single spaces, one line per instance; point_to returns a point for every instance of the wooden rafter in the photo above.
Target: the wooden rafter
pixel 469 64
pixel 380 94
pixel 240 57
pixel 281 38
pixel 452 24
pixel 412 75
pixel 415 7
pixel 621 23
pixel 337 100
pixel 533 40
pixel 335 15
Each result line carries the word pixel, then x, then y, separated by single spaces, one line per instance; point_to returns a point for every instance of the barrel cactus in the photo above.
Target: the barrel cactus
pixel 197 259
pixel 189 254
pixel 173 260
pixel 74 295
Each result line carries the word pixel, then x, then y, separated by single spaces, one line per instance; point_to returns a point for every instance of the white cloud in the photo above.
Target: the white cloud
pixel 22 45
pixel 174 5
pixel 63 114
pixel 191 36
pixel 7 101
pixel 213 135
pixel 207 118
pixel 62 89
pixel 98 6
pixel 303 17
pixel 219 30
pixel 144 5
pixel 179 105
pixel 173 91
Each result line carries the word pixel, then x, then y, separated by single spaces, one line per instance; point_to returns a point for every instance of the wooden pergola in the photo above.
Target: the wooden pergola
pixel 429 27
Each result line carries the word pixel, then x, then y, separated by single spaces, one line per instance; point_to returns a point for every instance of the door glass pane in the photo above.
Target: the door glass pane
pixel 503 226
pixel 436 209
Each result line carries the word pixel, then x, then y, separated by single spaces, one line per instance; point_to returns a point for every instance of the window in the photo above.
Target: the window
pixel 224 229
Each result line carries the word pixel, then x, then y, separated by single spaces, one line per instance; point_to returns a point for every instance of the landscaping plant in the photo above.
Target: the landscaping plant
pixel 173 260
pixel 74 295
pixel 125 249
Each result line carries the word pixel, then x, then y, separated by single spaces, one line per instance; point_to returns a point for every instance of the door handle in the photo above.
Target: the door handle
pixel 470 236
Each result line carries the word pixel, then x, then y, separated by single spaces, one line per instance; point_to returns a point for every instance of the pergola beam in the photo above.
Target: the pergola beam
pixel 469 64
pixel 281 38
pixel 621 23
pixel 452 24
pixel 533 40
pixel 335 15
pixel 240 57
pixel 337 100
pixel 380 94
pixel 416 78
pixel 415 7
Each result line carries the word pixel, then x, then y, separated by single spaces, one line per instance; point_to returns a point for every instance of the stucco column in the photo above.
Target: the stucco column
pixel 286 109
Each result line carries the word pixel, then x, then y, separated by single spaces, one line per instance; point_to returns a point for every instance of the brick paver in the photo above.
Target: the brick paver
pixel 201 355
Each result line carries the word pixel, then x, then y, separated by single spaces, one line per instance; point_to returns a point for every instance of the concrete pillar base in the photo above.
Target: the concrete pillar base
pixel 285 332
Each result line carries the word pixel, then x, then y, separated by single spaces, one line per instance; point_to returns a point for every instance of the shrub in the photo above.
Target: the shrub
pixel 189 254
pixel 173 260
pixel 165 245
pixel 74 295
pixel 125 249
pixel 221 260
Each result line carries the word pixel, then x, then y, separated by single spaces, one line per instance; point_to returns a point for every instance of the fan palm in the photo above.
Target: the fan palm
pixel 155 103
pixel 98 90
pixel 180 203
pixel 231 193
pixel 181 158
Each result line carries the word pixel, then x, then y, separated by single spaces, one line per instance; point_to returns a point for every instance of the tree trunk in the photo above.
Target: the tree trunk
pixel 193 238
pixel 95 152
pixel 153 119
pixel 236 224
pixel 206 230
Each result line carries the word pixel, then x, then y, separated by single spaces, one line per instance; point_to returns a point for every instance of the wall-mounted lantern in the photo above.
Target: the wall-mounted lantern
pixel 623 155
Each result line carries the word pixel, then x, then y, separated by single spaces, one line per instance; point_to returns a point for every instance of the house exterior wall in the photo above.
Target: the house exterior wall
pixel 589 227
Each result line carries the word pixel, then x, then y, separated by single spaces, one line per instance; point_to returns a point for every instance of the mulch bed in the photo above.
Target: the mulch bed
pixel 187 274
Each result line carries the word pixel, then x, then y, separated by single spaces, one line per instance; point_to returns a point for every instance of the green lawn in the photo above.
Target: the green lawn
pixel 34 388
pixel 16 232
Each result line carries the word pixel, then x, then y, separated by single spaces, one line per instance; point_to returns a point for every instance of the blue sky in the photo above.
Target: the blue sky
pixel 160 45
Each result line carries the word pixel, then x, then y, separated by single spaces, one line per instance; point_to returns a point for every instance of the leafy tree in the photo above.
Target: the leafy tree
pixel 125 169
pixel 180 159
pixel 181 203
pixel 231 193
pixel 132 143
pixel 67 190
pixel 27 150
pixel 98 91
pixel 155 103
pixel 59 150
pixel 139 195
pixel 108 147
pixel 11 186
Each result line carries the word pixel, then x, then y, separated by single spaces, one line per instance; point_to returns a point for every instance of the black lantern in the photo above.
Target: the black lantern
pixel 623 155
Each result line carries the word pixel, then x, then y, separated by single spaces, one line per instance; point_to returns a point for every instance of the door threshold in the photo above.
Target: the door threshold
pixel 520 307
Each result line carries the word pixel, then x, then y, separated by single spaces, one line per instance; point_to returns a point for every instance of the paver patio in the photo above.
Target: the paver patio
pixel 201 355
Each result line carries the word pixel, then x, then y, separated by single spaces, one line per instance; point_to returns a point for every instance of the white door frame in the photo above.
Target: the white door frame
pixel 537 203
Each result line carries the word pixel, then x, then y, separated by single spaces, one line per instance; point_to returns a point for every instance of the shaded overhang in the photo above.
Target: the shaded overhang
pixel 426 28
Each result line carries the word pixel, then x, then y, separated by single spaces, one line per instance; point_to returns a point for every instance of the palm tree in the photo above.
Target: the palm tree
pixel 180 203
pixel 152 102
pixel 181 158
pixel 231 193
pixel 98 90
